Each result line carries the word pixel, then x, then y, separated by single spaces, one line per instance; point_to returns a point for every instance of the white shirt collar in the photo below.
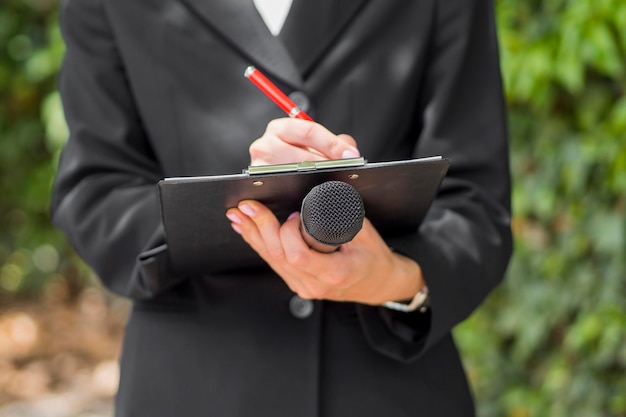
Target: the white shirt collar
pixel 274 13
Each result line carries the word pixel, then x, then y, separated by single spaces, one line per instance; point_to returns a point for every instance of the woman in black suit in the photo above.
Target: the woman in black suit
pixel 154 88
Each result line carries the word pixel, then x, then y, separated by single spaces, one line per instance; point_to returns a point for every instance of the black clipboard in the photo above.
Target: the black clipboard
pixel 396 196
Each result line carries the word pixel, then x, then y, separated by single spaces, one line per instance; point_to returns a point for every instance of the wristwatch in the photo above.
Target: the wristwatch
pixel 419 302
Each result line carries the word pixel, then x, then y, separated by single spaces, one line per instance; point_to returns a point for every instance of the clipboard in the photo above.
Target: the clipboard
pixel 396 196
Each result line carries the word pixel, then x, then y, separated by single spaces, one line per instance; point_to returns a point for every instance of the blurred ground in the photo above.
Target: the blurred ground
pixel 58 357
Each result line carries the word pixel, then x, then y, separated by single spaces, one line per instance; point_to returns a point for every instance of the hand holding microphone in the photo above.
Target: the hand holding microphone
pixel 331 215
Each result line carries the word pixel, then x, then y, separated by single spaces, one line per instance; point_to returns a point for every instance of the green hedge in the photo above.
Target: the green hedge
pixel 32 130
pixel 551 341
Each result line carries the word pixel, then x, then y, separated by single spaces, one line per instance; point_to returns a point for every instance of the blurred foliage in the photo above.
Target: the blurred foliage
pixel 32 129
pixel 551 341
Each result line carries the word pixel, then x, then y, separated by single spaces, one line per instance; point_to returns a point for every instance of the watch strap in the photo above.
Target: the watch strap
pixel 419 302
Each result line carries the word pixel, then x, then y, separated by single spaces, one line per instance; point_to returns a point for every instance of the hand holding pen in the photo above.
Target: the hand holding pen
pixel 287 140
pixel 298 138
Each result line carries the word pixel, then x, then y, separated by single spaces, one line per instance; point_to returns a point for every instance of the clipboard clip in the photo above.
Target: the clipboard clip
pixel 305 166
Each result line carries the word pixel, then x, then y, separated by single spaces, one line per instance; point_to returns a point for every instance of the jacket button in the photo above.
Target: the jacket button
pixel 300 308
pixel 301 100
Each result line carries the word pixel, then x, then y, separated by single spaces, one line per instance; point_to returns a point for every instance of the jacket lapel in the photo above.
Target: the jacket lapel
pixel 322 21
pixel 240 23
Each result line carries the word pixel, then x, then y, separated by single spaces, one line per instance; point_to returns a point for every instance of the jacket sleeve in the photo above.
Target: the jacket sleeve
pixel 104 196
pixel 465 243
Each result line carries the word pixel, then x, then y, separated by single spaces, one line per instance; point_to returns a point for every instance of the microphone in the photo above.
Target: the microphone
pixel 332 214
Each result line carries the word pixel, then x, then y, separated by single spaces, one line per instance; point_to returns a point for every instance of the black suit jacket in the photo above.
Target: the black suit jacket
pixel 155 88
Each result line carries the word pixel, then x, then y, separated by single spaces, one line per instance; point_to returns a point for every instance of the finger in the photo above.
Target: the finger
pixel 260 229
pixel 273 150
pixel 322 275
pixel 347 139
pixel 368 238
pixel 245 227
pixel 303 266
pixel 297 252
pixel 312 135
pixel 236 218
pixel 248 229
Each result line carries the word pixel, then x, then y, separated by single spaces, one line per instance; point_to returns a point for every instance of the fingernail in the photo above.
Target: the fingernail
pixel 236 228
pixel 247 210
pixel 350 153
pixel 293 215
pixel 234 218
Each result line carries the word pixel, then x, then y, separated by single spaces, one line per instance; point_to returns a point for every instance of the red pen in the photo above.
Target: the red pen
pixel 274 93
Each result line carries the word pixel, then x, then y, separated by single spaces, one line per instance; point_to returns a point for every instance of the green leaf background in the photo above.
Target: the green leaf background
pixel 551 340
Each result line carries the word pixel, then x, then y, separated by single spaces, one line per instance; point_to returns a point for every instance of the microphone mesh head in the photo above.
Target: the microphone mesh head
pixel 332 212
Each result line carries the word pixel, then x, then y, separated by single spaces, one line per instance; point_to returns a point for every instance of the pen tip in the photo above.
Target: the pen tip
pixel 249 71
